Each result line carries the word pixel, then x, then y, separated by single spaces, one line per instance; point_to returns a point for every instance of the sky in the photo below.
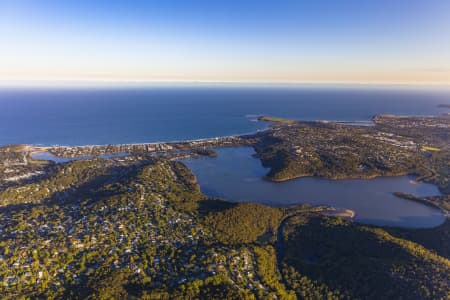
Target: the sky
pixel 291 41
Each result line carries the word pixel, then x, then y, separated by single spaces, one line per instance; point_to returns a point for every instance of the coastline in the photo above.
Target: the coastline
pixel 46 147
pixel 248 139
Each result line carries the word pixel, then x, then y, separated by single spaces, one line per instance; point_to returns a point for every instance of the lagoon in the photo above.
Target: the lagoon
pixel 236 176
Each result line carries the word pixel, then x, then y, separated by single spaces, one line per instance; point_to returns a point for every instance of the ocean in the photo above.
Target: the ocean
pixel 81 116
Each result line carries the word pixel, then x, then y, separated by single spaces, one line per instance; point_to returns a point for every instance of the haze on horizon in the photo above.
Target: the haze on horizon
pixel 348 41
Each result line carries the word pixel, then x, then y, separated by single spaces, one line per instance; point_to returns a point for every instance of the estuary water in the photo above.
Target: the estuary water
pixel 137 115
pixel 236 176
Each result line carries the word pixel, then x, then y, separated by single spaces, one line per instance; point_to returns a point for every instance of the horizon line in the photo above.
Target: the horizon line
pixel 143 83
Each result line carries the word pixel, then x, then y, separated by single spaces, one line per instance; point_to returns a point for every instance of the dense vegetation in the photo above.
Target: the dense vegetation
pixel 435 239
pixel 394 146
pixel 362 262
pixel 438 171
pixel 267 270
pixel 75 177
pixel 244 223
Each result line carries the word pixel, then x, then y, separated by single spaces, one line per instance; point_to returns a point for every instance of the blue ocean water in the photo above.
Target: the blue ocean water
pixel 137 115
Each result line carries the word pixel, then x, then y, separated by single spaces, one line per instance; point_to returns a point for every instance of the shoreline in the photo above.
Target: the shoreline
pixel 259 118
pixel 31 148
pixel 369 177
pixel 192 145
pixel 424 201
pixel 41 146
pixel 343 213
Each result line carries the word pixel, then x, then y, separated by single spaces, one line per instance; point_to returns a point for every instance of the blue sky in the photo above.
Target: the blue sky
pixel 239 41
